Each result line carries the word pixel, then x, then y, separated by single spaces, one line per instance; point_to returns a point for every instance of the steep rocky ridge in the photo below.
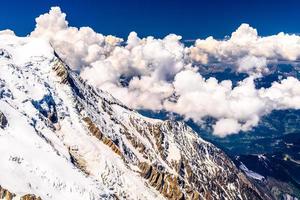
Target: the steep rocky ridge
pixel 85 144
pixel 198 170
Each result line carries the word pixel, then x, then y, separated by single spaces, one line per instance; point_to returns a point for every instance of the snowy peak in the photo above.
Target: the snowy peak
pixel 72 141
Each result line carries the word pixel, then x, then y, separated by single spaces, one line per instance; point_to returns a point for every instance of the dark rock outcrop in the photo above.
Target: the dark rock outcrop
pixel 3 120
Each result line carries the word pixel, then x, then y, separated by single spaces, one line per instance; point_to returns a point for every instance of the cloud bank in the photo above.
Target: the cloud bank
pixel 235 108
pixel 245 43
pixel 163 74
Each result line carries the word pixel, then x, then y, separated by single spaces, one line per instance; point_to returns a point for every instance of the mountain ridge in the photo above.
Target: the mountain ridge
pixel 85 134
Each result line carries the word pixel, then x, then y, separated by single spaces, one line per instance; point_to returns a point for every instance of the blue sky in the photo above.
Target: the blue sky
pixel 189 18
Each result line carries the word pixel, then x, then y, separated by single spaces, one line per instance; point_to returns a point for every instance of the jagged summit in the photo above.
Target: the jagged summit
pixel 62 139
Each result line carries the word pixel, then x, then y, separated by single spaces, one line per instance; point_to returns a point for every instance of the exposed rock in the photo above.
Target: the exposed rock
pixel 3 120
pixel 47 107
pixel 135 142
pixel 159 140
pixel 5 54
pixel 194 178
pixel 78 161
pixel 30 197
pixel 95 131
pixel 112 145
pixel 5 194
pixel 166 183
pixel 93 128
pixel 61 71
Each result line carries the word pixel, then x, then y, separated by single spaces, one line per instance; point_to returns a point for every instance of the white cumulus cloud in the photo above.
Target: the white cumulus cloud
pixel 245 42
pixel 151 73
pixel 84 44
pixel 240 106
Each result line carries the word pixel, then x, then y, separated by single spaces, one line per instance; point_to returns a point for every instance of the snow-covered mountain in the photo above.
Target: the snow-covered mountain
pixel 62 139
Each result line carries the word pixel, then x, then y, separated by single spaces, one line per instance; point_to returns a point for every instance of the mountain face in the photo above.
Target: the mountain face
pixel 276 175
pixel 62 139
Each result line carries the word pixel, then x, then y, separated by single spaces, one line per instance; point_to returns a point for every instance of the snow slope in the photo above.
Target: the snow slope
pixel 66 140
pixel 251 173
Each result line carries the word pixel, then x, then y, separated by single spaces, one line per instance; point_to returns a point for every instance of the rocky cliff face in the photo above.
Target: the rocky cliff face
pixel 75 142
pixel 3 120
pixel 7 195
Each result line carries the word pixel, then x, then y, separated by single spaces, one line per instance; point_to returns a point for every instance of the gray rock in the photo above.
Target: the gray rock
pixel 3 120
